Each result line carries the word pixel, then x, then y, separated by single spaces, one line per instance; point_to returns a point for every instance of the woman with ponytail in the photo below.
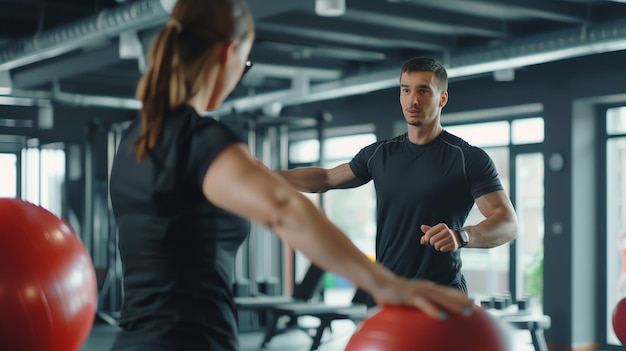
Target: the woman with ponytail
pixel 183 188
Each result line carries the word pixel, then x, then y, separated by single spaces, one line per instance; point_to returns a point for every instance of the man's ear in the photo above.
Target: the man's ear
pixel 444 99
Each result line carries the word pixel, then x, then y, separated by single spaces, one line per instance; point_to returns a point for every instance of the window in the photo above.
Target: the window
pixel 43 173
pixel 488 270
pixel 8 175
pixel 616 213
pixel 483 134
pixel 527 131
pixel 352 210
pixel 616 121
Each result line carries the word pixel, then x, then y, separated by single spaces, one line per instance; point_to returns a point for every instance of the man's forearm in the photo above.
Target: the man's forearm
pixel 497 229
pixel 307 179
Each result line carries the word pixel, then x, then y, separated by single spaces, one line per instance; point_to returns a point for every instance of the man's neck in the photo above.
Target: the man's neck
pixel 424 134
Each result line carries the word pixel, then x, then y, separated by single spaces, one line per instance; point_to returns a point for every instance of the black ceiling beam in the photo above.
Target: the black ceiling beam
pixel 512 9
pixel 423 19
pixel 66 66
pixel 357 35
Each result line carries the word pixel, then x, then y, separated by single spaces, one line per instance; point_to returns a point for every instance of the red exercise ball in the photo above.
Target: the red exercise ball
pixel 48 291
pixel 394 328
pixel 619 320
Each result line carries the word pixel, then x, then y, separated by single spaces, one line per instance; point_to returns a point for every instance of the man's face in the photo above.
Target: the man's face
pixel 421 98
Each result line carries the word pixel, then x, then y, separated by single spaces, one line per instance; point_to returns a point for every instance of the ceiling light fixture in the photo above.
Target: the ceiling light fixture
pixel 330 8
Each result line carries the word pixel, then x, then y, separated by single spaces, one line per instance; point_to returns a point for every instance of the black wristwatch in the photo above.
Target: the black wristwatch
pixel 463 236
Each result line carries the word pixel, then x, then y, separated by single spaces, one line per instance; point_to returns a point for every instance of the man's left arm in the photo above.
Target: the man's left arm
pixel 500 224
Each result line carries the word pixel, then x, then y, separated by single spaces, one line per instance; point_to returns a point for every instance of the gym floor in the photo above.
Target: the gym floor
pixel 102 336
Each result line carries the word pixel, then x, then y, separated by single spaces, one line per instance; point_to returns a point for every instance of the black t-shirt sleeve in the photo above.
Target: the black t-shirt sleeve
pixel 360 163
pixel 481 173
pixel 210 140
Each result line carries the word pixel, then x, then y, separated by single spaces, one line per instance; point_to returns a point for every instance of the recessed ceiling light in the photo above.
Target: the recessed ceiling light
pixel 330 8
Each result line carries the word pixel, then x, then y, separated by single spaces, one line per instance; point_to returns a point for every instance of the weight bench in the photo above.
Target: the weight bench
pixel 534 323
pixel 264 302
pixel 304 291
pixel 326 313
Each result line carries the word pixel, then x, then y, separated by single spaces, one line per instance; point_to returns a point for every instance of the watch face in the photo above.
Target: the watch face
pixel 464 236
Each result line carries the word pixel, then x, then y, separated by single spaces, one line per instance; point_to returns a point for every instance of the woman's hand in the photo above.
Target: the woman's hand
pixel 435 300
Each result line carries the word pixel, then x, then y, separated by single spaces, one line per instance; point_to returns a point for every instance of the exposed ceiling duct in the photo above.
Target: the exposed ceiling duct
pixel 532 50
pixel 587 40
pixel 83 33
pixel 109 23
pixel 143 14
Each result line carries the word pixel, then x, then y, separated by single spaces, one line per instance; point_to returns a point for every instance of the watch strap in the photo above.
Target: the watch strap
pixel 463 236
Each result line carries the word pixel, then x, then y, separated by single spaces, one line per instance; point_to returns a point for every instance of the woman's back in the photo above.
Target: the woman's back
pixel 177 248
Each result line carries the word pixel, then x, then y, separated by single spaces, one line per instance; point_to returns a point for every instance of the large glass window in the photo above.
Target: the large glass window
pixel 527 131
pixel 43 177
pixel 488 270
pixel 529 203
pixel 8 175
pixel 616 213
pixel 352 210
pixel 615 121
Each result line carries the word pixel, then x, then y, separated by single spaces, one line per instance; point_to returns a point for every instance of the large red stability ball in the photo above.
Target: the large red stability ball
pixel 394 328
pixel 48 290
pixel 619 320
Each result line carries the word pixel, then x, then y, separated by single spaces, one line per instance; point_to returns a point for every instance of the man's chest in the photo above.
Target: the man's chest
pixel 430 173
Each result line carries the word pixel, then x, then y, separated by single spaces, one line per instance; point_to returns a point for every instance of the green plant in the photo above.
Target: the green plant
pixel 533 275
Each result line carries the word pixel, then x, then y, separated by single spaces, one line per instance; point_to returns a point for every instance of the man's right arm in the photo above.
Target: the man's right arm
pixel 319 180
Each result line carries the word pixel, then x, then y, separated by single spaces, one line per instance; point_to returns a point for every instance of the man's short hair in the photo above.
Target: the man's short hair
pixel 425 64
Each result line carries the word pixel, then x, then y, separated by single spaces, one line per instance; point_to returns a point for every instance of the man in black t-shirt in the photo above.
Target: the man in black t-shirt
pixel 427 181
